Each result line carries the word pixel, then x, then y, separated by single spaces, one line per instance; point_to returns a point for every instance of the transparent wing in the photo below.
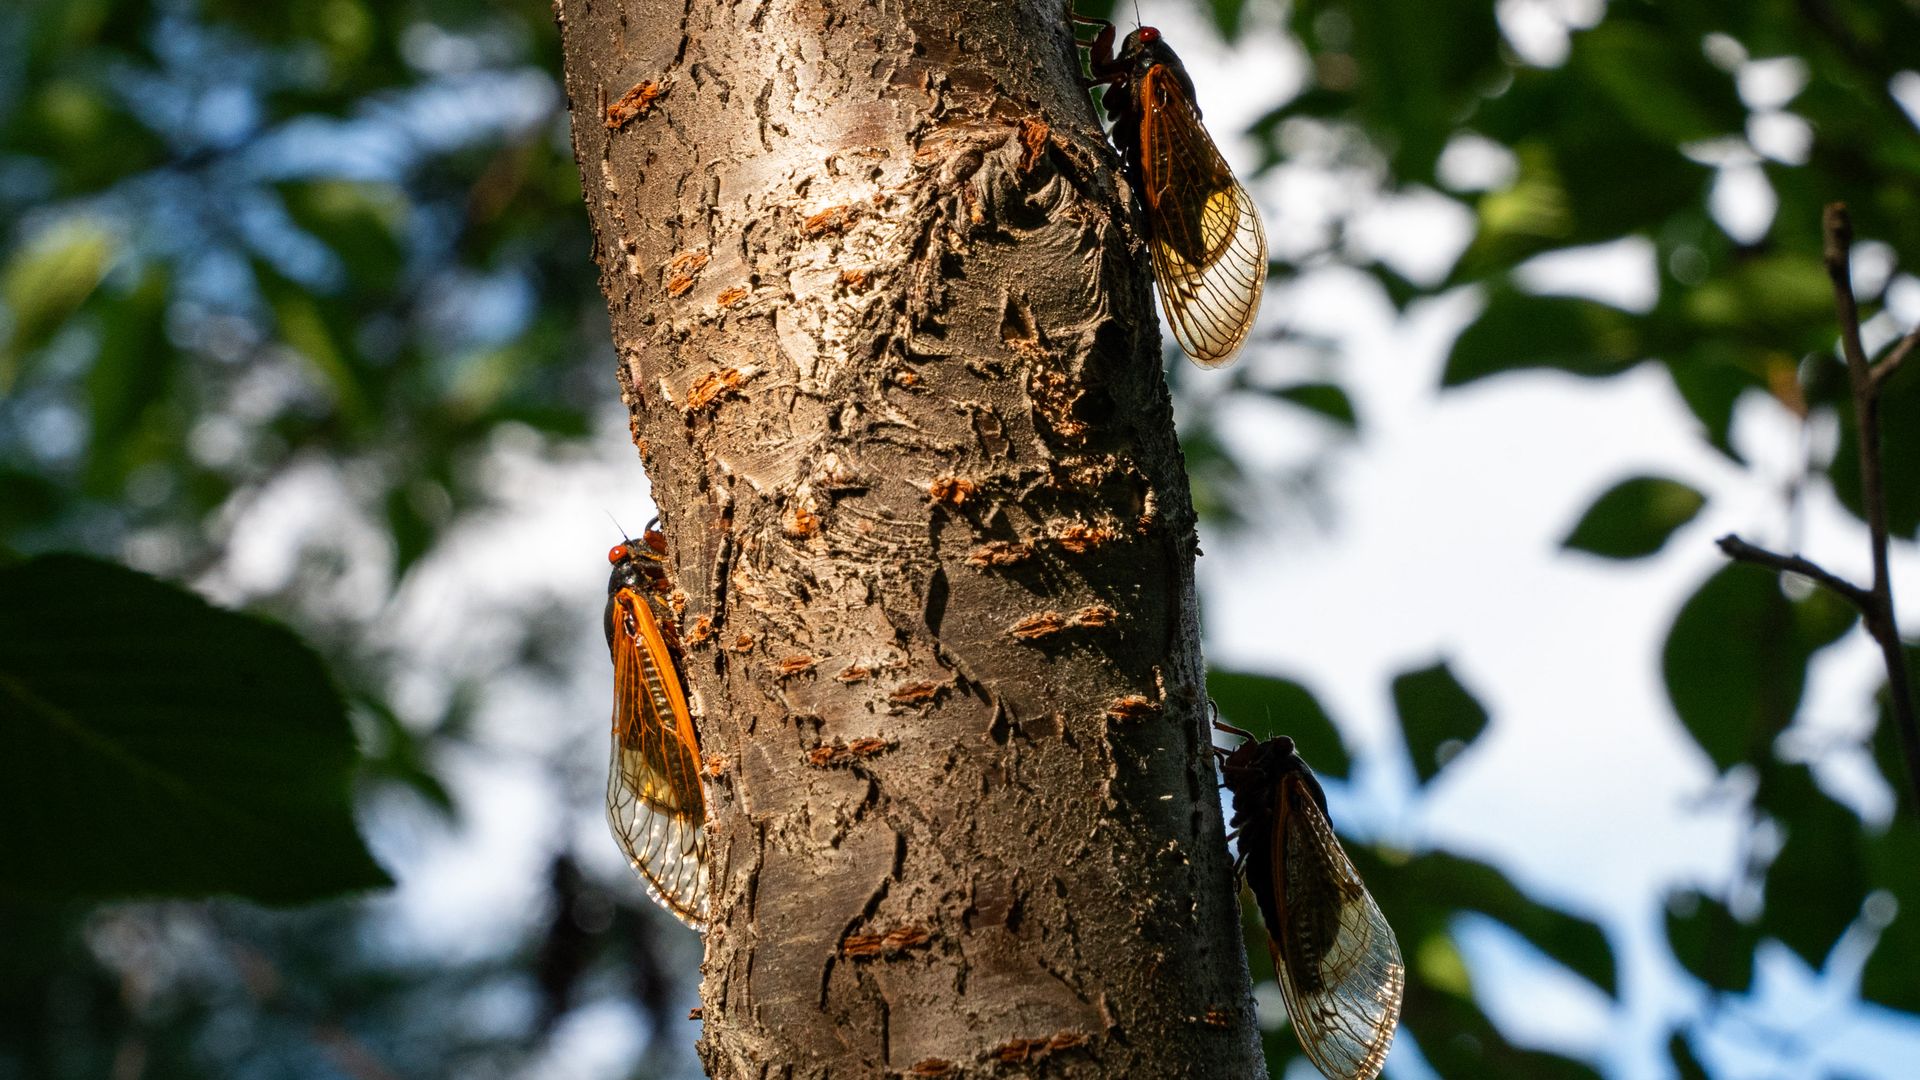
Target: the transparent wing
pixel 1338 963
pixel 654 800
pixel 1209 250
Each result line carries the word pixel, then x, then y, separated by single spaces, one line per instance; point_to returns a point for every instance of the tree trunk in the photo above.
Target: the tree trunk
pixel 886 338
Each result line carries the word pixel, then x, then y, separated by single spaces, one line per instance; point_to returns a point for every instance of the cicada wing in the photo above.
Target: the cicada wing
pixel 1209 249
pixel 655 803
pixel 1335 956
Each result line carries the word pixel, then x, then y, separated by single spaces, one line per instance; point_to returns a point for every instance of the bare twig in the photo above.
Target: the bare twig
pixel 1740 551
pixel 1866 382
pixel 1884 367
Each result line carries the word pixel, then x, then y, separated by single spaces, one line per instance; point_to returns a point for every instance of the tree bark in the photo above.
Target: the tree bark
pixel 888 346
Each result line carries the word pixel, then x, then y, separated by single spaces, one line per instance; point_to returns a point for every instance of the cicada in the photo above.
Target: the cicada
pixel 1335 956
pixel 1209 251
pixel 654 799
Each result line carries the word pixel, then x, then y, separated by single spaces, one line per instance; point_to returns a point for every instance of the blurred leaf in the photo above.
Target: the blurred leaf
pixel 310 330
pixel 157 746
pixel 395 753
pixel 1784 298
pixel 1899 453
pixel 1735 660
pixel 131 376
pixel 1710 377
pixel 27 500
pixel 1268 705
pixel 1405 69
pixel 1327 399
pixel 1684 1062
pixel 1710 943
pixel 361 222
pixel 45 281
pixel 1634 518
pixel 1438 717
pixel 1816 883
pixel 1520 330
pixel 1421 895
pixel 1458 1040
pixel 1889 976
pixel 1884 742
pixel 1659 81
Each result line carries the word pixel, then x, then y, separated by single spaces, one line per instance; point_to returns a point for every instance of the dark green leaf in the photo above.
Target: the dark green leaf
pixel 1711 377
pixel 1520 330
pixel 1421 895
pixel 1457 1040
pixel 1404 69
pixel 1885 742
pixel 1659 81
pixel 1889 976
pixel 1710 943
pixel 1326 399
pixel 1634 518
pixel 1268 705
pixel 1816 883
pixel 1899 453
pixel 1736 659
pixel 1438 717
pixel 152 745
pixel 1684 1062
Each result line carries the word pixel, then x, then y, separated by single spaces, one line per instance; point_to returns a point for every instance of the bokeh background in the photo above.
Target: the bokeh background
pixel 297 309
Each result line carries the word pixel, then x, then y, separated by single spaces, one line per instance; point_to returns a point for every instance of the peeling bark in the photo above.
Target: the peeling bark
pixel 889 351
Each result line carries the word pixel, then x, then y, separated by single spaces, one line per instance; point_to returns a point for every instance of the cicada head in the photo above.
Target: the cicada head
pixel 1144 48
pixel 637 565
pixel 1254 769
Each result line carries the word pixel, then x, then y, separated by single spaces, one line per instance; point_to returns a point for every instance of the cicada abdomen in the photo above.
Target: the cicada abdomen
pixel 655 803
pixel 1336 959
pixel 1209 250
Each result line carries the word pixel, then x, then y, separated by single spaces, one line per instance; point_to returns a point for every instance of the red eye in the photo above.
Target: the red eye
pixel 618 553
pixel 1149 35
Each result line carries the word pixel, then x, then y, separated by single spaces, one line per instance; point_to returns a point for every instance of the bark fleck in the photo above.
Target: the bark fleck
pixel 822 757
pixel 635 102
pixel 884 946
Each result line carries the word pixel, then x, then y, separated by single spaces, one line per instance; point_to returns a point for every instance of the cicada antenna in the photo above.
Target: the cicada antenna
pixel 1136 13
pixel 616 525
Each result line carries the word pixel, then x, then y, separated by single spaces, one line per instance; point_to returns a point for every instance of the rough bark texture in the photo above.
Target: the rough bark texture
pixel 887 341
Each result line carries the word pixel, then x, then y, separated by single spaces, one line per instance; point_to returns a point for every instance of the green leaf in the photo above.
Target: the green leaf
pixel 1735 660
pixel 1634 518
pixel 1899 453
pixel 1421 895
pixel 45 282
pixel 1884 744
pixel 1785 296
pixel 152 745
pixel 1520 330
pixel 1268 705
pixel 1438 717
pixel 1710 943
pixel 1659 81
pixel 1889 976
pixel 1407 70
pixel 1816 884
pixel 360 222
pixel 1326 399
pixel 1685 1064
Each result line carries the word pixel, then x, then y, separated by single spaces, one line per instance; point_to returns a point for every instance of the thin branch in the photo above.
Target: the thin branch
pixel 1740 551
pixel 1884 367
pixel 1837 227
